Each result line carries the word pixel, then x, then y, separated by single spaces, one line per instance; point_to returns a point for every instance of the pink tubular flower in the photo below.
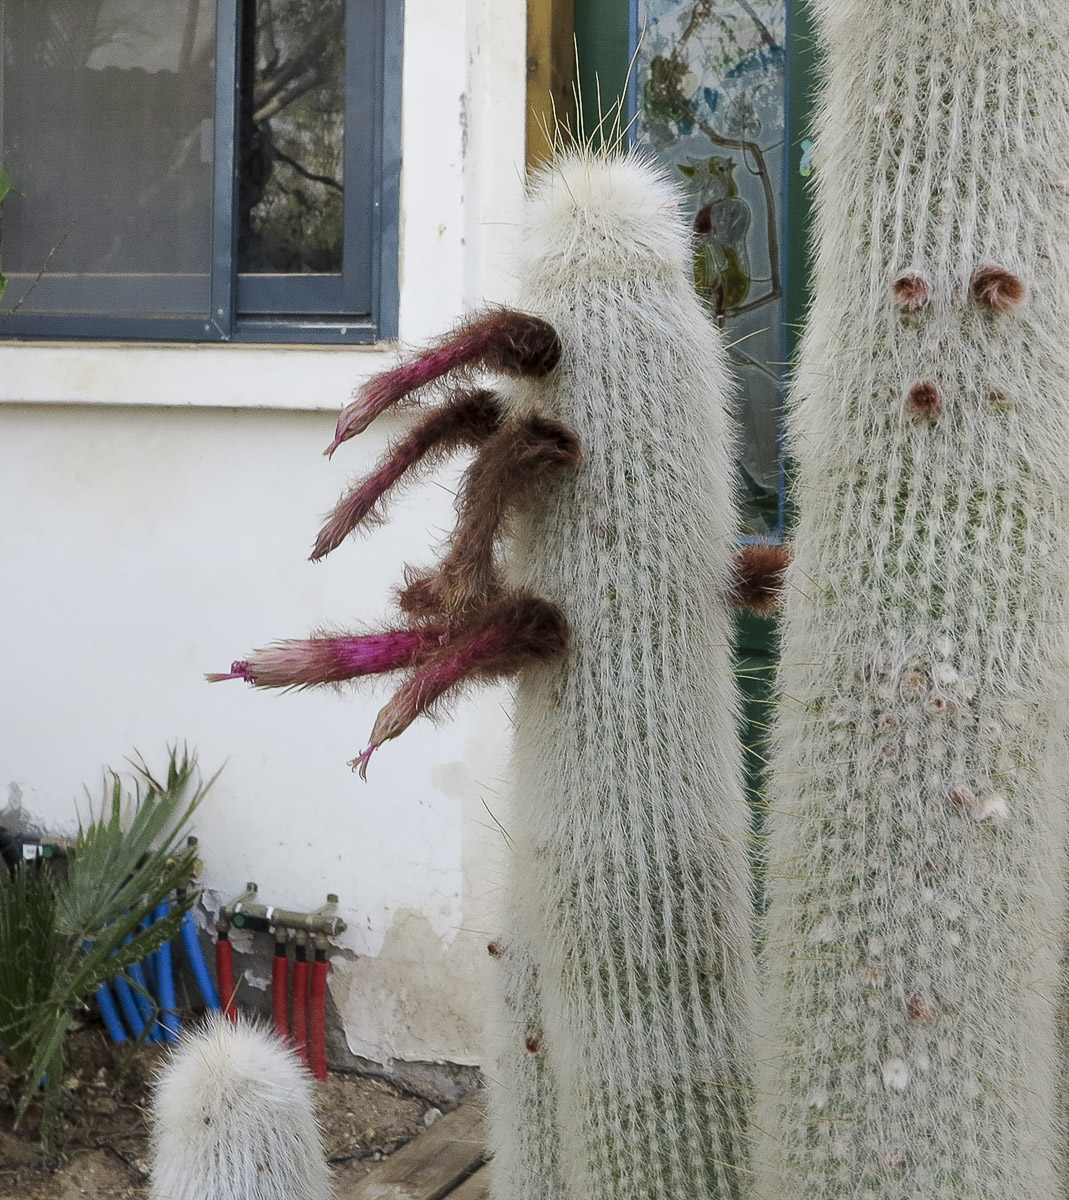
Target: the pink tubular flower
pixel 467 420
pixel 307 662
pixel 504 340
pixel 518 630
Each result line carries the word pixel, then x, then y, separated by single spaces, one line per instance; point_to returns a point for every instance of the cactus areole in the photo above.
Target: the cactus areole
pixel 917 875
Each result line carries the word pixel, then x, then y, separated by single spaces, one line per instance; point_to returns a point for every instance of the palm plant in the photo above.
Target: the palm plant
pixel 61 938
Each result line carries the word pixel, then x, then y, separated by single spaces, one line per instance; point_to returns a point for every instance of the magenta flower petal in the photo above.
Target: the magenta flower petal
pixel 359 764
pixel 504 340
pixel 238 670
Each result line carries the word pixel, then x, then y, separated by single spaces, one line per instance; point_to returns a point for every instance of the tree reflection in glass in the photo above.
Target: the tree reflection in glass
pixel 712 80
pixel 290 218
pixel 107 131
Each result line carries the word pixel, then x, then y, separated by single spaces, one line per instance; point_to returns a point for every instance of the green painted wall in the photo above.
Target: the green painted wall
pixel 602 40
pixel 801 84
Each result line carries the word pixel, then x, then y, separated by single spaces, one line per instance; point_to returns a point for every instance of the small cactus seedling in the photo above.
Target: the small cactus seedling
pixel 593 555
pixel 916 879
pixel 234 1119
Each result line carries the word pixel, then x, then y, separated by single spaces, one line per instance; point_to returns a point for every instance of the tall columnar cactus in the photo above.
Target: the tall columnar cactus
pixel 917 872
pixel 629 827
pixel 604 458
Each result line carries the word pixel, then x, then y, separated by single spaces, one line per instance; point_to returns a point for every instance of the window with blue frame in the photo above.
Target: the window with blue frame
pixel 202 170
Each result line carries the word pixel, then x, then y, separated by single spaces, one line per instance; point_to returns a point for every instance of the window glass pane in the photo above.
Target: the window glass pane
pixel 107 132
pixel 292 137
pixel 712 105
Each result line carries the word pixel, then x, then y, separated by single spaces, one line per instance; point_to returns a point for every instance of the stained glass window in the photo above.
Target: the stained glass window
pixel 711 93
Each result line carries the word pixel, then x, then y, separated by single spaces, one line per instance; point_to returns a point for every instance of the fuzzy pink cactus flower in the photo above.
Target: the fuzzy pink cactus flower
pixel 518 631
pixel 504 340
pixel 307 662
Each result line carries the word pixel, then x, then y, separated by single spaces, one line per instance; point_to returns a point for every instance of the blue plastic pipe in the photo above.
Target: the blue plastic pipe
pixel 165 984
pixel 155 977
pixel 135 1019
pixel 148 967
pixel 144 1002
pixel 110 1014
pixel 142 1020
pixel 198 964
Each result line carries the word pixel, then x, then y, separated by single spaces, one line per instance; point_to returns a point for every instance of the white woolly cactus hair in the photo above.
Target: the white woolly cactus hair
pixel 629 827
pixel 586 203
pixel 917 871
pixel 234 1119
pixel 524 1134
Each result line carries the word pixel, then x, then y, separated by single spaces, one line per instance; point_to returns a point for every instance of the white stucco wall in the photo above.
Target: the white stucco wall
pixel 159 505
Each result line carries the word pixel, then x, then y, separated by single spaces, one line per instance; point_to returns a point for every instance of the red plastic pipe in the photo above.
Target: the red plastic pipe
pixel 224 966
pixel 280 978
pixel 317 1015
pixel 299 1007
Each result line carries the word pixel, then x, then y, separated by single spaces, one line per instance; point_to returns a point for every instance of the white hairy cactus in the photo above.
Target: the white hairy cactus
pixel 234 1119
pixel 629 828
pixel 917 876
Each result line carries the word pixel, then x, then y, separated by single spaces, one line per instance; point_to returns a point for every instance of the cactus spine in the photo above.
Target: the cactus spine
pixel 234 1119
pixel 917 875
pixel 629 826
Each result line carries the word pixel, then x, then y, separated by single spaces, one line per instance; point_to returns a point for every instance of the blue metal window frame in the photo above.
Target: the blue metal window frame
pixel 358 307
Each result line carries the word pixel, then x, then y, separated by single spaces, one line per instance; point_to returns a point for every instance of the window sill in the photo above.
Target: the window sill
pixel 188 375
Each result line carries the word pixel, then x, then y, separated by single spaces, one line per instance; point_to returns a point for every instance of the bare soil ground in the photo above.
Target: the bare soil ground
pixel 104 1135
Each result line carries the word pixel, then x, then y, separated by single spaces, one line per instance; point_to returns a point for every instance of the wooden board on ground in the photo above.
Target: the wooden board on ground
pixel 433 1165
pixel 475 1187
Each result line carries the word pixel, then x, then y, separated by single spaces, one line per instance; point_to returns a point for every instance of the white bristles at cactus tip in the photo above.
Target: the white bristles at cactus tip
pixel 233 1118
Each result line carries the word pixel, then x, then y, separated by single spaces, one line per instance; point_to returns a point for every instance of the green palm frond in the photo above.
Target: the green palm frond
pixel 28 953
